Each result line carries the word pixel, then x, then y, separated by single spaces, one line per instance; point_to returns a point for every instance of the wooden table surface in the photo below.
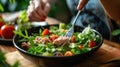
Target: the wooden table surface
pixel 109 50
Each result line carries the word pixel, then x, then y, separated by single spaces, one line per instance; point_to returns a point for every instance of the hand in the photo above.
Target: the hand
pixel 38 10
pixel 81 4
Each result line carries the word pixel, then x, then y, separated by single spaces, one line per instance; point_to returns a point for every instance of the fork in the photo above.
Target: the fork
pixel 70 32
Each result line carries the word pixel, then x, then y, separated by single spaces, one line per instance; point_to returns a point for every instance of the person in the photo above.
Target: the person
pixel 92 13
pixel 112 8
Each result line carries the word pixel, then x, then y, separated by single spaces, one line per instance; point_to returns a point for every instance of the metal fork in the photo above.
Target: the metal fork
pixel 70 32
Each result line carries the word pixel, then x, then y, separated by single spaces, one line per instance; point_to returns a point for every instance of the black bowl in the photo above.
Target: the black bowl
pixel 53 61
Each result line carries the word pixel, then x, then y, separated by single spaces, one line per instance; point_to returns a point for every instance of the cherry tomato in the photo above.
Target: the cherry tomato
pixel 73 39
pixel 1 24
pixel 80 46
pixel 92 43
pixel 68 53
pixel 45 32
pixel 0 32
pixel 7 31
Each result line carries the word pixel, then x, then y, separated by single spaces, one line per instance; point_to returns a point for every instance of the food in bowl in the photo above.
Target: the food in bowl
pixel 52 42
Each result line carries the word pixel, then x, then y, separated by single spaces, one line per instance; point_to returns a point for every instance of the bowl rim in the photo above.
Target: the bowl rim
pixel 26 52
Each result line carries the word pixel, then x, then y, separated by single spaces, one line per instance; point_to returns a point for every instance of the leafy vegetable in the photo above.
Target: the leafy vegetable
pixel 62 26
pixel 20 33
pixel 22 19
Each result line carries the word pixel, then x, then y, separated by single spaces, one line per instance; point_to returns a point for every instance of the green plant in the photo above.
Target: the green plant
pixel 3 62
pixel 116 32
pixel 13 5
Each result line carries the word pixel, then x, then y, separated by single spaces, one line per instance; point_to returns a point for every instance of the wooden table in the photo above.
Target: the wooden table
pixel 107 51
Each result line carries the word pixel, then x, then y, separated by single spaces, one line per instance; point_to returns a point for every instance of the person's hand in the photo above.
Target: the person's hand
pixel 81 4
pixel 38 10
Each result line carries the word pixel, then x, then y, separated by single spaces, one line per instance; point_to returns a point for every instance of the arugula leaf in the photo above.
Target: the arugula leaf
pixel 20 33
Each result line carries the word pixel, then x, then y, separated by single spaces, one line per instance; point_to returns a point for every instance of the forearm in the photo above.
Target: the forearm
pixel 112 8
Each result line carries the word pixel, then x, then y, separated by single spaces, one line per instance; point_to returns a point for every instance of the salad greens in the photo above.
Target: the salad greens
pixel 51 42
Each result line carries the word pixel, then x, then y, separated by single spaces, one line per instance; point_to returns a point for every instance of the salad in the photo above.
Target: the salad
pixel 51 41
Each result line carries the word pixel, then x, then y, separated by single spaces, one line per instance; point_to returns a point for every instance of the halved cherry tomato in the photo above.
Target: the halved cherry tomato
pixel 7 31
pixel 73 39
pixel 68 53
pixel 45 32
pixel 80 46
pixel 92 43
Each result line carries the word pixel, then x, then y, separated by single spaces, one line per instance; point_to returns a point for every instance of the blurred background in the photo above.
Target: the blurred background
pixel 13 5
pixel 59 10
